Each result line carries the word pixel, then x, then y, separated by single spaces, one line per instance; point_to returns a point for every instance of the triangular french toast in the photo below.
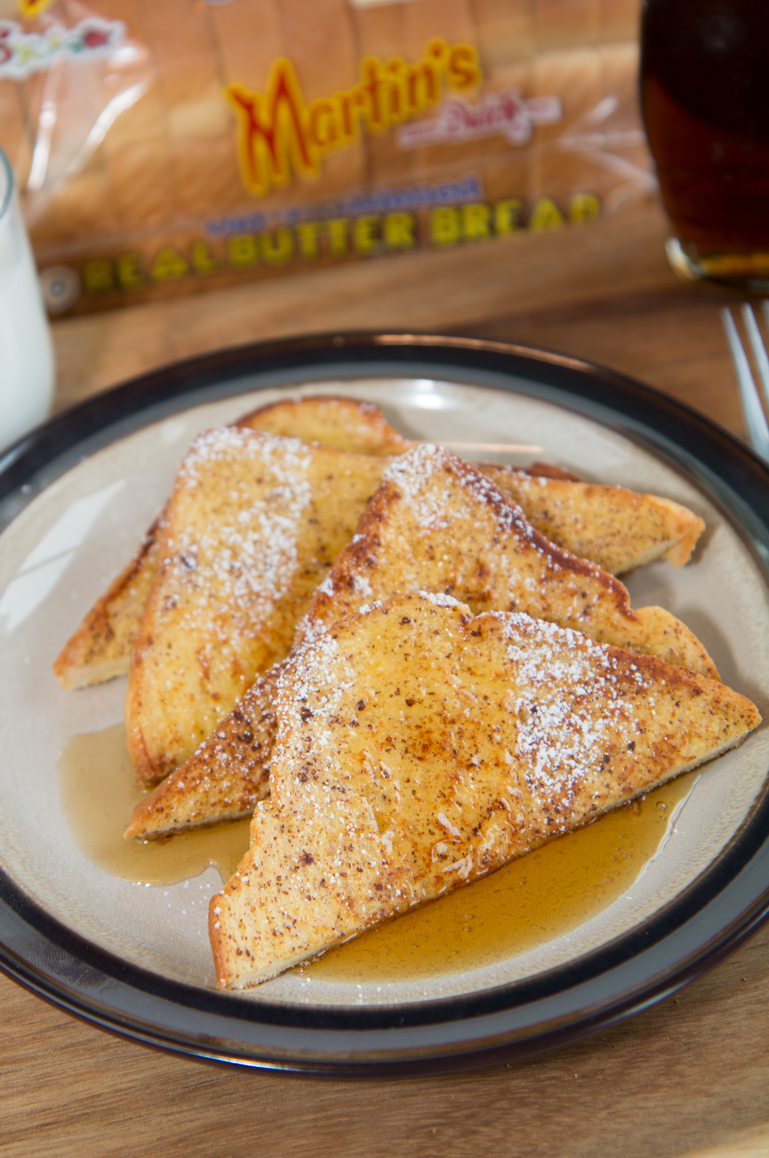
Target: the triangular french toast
pixel 254 523
pixel 225 777
pixel 479 547
pixel 438 524
pixel 616 528
pixel 420 747
pixel 101 647
pixel 612 526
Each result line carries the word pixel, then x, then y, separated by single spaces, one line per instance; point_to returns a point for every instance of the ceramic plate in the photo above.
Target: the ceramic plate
pixel 453 989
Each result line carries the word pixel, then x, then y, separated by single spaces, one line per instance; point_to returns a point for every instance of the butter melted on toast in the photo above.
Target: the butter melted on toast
pixel 101 647
pixel 253 526
pixel 437 524
pixel 420 747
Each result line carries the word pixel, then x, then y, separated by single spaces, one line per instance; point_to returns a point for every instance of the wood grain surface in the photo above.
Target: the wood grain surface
pixel 687 1077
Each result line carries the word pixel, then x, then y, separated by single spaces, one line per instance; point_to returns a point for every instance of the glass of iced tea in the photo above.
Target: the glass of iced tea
pixel 705 102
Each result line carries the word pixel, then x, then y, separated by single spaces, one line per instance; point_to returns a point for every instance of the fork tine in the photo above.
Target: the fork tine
pixel 759 351
pixel 755 422
pixel 765 308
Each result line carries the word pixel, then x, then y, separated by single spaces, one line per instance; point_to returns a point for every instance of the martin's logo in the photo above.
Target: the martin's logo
pixel 280 134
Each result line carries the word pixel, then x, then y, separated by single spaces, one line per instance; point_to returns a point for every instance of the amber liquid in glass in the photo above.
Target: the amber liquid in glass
pixel 705 102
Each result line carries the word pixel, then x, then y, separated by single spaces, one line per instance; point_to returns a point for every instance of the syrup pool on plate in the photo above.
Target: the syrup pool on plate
pixel 99 793
pixel 527 903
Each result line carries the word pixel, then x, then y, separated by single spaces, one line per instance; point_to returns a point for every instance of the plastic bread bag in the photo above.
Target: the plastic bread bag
pixel 166 148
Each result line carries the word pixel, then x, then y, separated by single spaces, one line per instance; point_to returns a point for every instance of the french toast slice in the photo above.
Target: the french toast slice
pixel 225 778
pixel 254 523
pixel 616 528
pixel 479 547
pixel 101 647
pixel 436 523
pixel 346 423
pixel 420 747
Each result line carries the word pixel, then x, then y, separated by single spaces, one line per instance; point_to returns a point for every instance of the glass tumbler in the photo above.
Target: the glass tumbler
pixel 26 351
pixel 705 103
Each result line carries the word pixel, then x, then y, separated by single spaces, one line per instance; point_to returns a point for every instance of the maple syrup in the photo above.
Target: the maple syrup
pixel 99 792
pixel 525 904
pixel 529 902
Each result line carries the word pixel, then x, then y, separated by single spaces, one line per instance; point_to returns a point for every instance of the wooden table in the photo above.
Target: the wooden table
pixel 687 1077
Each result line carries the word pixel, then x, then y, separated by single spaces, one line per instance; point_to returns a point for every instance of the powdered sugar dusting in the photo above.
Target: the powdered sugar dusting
pixel 441 600
pixel 242 562
pixel 433 506
pixel 305 677
pixel 560 676
pixel 222 442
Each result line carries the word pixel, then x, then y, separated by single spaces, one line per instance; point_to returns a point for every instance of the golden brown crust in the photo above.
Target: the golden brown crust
pixel 549 470
pixel 101 647
pixel 346 423
pixel 225 778
pixel 420 747
pixel 614 527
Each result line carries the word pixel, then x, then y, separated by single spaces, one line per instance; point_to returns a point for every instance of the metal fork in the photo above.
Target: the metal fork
pixel 752 410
